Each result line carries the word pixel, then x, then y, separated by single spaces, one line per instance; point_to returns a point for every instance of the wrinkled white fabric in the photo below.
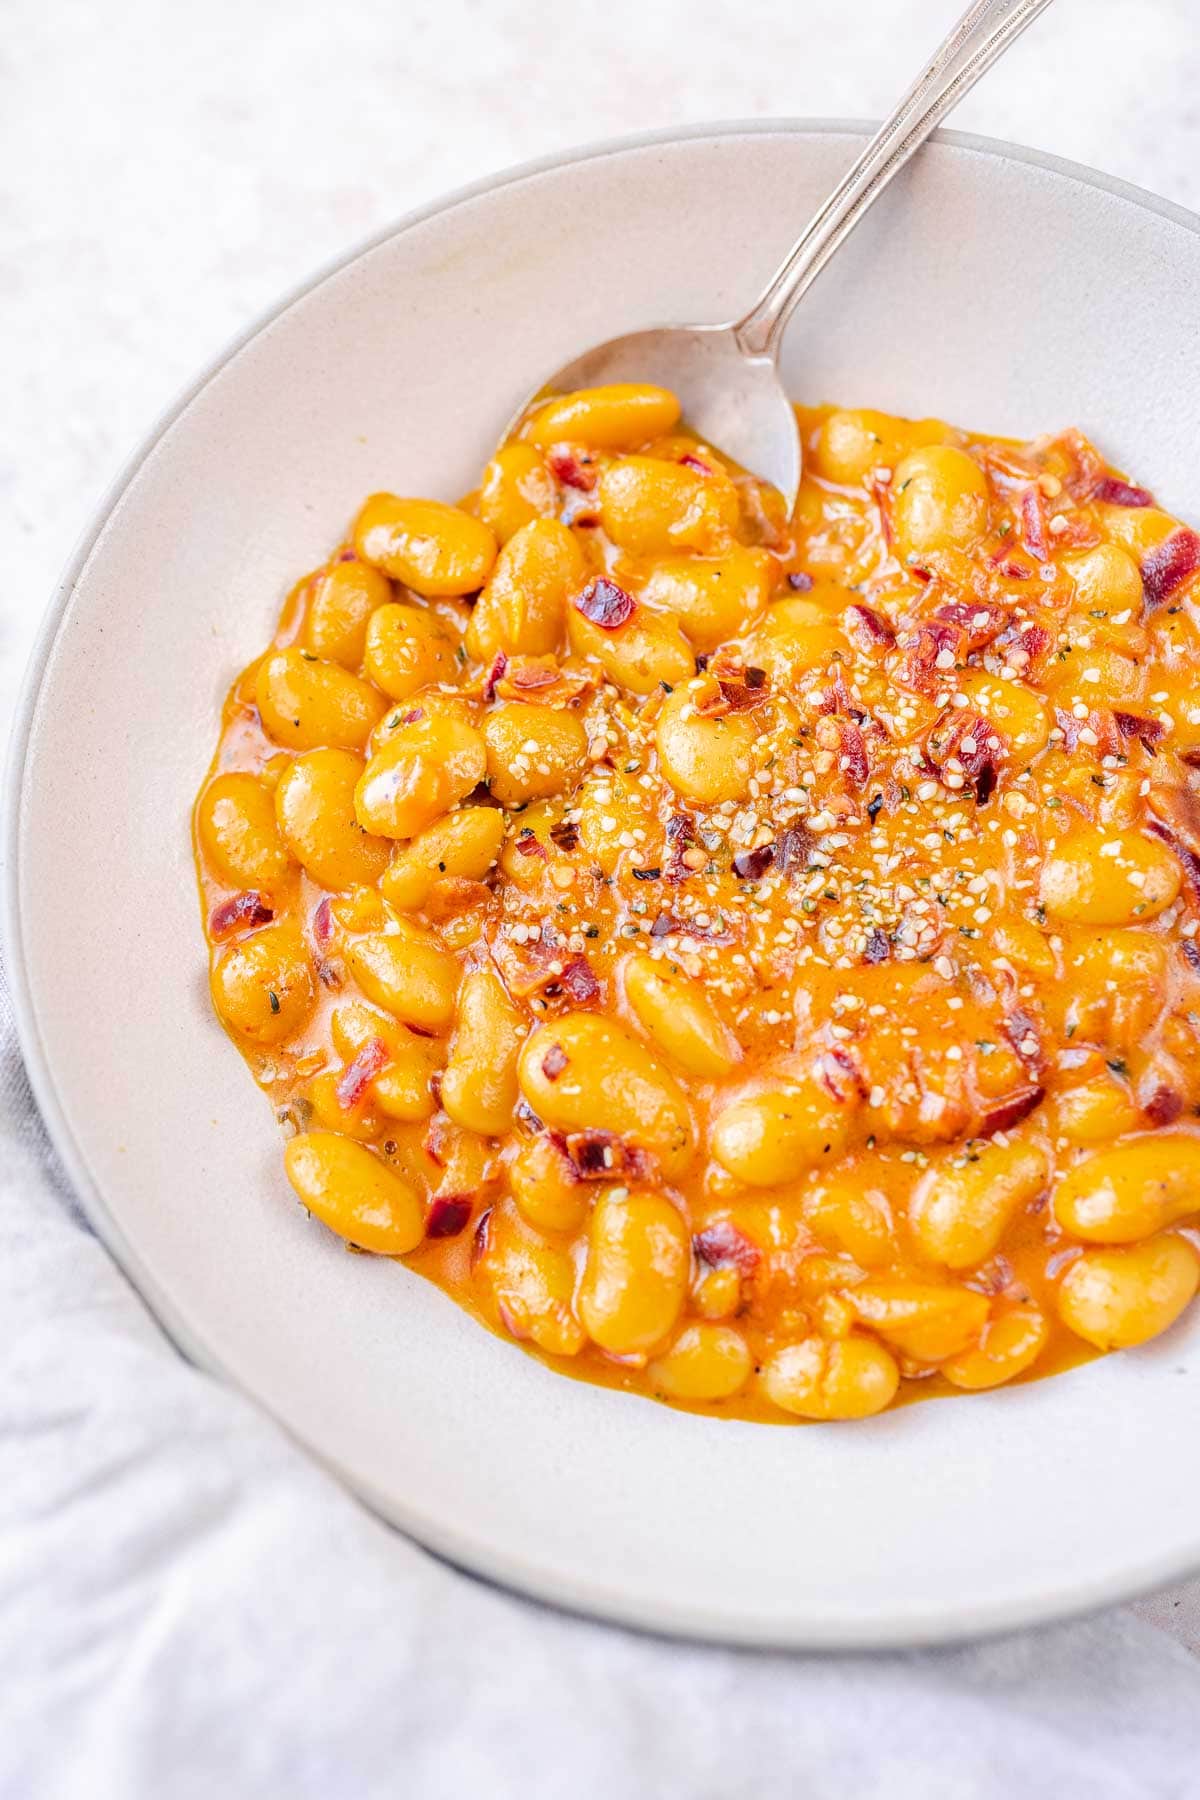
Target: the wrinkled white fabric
pixel 189 1606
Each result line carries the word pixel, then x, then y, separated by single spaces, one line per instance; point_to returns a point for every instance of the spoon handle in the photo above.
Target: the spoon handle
pixel 984 32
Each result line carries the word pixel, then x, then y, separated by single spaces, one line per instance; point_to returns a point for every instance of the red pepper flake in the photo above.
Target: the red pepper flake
pixel 855 763
pixel 565 834
pixel 976 745
pixel 601 1155
pixel 877 948
pixel 693 462
pixel 1002 1115
pixel 932 641
pixel 580 981
pixel 1032 516
pixel 724 1246
pixel 448 1214
pixel 358 1076
pixel 841 1077
pixel 554 1062
pixel 1021 1030
pixel 239 914
pixel 481 1242
pixel 534 675
pixel 800 581
pixel 322 923
pixel 406 718
pixel 528 844
pixel 1027 648
pixel 1163 1106
pixel 980 624
pixel 741 685
pixel 499 664
pixel 793 849
pixel 1147 731
pixel 605 604
pixel 752 865
pixel 573 469
pixel 347 556
pixel 1164 569
pixel 1121 493
pixel 869 629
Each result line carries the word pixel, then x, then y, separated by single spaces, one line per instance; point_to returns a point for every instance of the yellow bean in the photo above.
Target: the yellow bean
pixel 649 507
pixel 920 1320
pixel 704 759
pixel 618 417
pixel 532 751
pixel 679 1017
pixel 533 1285
pixel 409 974
pixel 795 638
pixel 425 767
pixel 341 600
pixel 636 1274
pixel 586 1073
pixel 1106 579
pixel 1118 878
pixel 851 1378
pixel 548 1192
pixel 1118 1298
pixel 706 1362
pixel 1139 529
pixel 850 1213
pixel 1130 1190
pixel 1093 1111
pixel 463 846
pixel 713 598
pixel 1010 1343
pixel 940 500
pixel 314 804
pixel 362 1120
pixel 407 649
pixel 434 549
pixel 647 651
pixel 354 1193
pixel 262 985
pixel 517 487
pixel 961 1210
pixel 770 1138
pixel 479 1088
pixel 852 443
pixel 235 819
pixel 1019 715
pixel 306 704
pixel 610 805
pixel 403 1088
pixel 523 608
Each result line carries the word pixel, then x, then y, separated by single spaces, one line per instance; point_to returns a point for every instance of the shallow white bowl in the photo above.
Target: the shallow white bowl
pixel 991 287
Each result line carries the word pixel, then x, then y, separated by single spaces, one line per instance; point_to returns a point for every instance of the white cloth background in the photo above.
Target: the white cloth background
pixel 187 1605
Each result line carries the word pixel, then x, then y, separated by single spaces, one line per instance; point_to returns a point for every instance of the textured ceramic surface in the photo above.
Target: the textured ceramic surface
pixel 988 287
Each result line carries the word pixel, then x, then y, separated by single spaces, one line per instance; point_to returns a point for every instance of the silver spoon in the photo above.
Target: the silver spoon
pixel 727 376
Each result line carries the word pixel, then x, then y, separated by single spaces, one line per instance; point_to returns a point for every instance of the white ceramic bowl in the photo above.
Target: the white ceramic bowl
pixel 991 287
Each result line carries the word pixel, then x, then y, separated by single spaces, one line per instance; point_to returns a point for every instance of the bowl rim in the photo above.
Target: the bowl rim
pixel 464 1550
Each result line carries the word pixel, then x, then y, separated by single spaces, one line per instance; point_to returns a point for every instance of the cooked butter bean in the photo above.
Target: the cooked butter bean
pixel 341 599
pixel 423 769
pixel 523 608
pixel 704 759
pixel 1106 579
pixel 713 598
pixel 236 823
pixel 434 549
pixel 1020 717
pixel 679 1017
pixel 612 806
pixel 533 751
pixel 1132 1189
pixel 850 1378
pixel 584 1073
pixel 407 649
pixel 1122 1297
pixel 314 804
pixel 464 846
pixel 794 638
pixel 409 974
pixel 706 1362
pixel 1094 1110
pixel 636 1274
pixel 403 1088
pixel 549 1194
pixel 768 1139
pixel 618 417
pixel 647 651
pixel 920 1320
pixel 853 442
pixel 305 704
pixel 649 507
pixel 354 1193
pixel 940 500
pixel 479 1088
pixel 517 487
pixel 262 985
pixel 1009 1343
pixel 362 1119
pixel 533 1286
pixel 1091 878
pixel 850 1213
pixel 961 1210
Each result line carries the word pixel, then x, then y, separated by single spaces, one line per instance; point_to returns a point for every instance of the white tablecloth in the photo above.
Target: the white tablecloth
pixel 187 1605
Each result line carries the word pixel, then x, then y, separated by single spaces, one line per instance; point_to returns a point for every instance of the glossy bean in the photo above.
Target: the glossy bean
pixel 479 1087
pixel 851 1378
pixel 1116 1298
pixel 353 1192
pixel 705 1362
pixel 263 986
pixel 464 846
pixel 436 550
pixel 770 1138
pixel 1132 1189
pixel 679 1017
pixel 961 1209
pixel 426 766
pixel 341 599
pixel 533 751
pixel 516 488
pixel 636 1273
pixel 704 759
pixel 306 704
pixel 713 598
pixel 314 804
pixel 617 417
pixel 408 974
pixel 1118 878
pixel 585 1073
pixel 523 608
pixel 235 819
pixel 406 649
